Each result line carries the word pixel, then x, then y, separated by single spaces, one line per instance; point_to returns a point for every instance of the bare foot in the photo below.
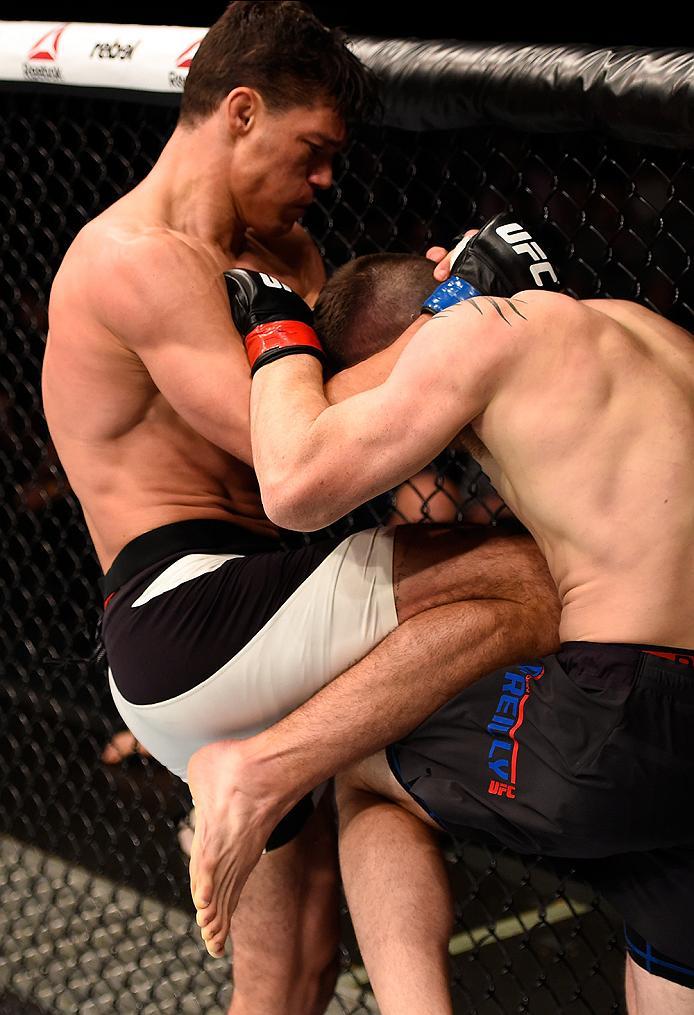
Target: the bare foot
pixel 120 746
pixel 234 816
pixel 185 831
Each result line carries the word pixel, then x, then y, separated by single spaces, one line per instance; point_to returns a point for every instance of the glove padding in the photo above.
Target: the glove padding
pixel 500 260
pixel 270 317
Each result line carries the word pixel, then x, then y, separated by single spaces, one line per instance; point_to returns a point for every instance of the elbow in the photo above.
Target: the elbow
pixel 295 505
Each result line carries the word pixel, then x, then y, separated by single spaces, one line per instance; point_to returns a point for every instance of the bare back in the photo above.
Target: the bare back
pixel 582 414
pixel 127 414
pixel 590 441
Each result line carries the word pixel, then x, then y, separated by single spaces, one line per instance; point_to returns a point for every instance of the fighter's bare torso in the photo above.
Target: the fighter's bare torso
pixel 132 459
pixel 591 442
pixel 582 414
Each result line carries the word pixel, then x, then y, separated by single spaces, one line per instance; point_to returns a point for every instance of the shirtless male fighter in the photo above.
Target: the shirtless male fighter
pixel 582 414
pixel 211 630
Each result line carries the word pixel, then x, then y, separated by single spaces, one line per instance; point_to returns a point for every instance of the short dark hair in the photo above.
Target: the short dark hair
pixel 368 303
pixel 281 49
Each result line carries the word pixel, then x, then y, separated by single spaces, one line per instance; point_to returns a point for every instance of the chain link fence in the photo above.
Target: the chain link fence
pixel 94 895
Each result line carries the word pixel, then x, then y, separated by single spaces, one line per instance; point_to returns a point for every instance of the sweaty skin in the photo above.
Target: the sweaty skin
pixel 146 385
pixel 582 415
pixel 145 381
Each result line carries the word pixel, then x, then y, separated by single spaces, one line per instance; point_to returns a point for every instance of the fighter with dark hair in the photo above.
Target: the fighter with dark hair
pixel 582 414
pixel 211 629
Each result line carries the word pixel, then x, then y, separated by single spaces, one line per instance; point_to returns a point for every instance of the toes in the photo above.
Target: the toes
pixel 204 917
pixel 215 946
pixel 204 886
pixel 212 928
pixel 214 941
pixel 202 894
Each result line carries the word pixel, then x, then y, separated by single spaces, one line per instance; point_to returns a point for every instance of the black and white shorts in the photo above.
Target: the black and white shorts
pixel 222 635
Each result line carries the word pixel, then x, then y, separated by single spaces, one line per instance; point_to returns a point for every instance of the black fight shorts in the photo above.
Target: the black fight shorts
pixel 589 755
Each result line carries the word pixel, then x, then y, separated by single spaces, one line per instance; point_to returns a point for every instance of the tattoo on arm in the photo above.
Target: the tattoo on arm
pixel 513 305
pixel 491 301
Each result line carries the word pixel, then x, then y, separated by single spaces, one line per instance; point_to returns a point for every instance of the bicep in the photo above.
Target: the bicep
pixel 208 386
pixel 174 314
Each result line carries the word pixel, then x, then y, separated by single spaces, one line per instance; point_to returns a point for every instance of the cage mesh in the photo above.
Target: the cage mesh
pixel 93 880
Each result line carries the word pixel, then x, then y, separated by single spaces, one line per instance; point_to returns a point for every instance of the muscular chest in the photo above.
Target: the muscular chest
pixel 292 266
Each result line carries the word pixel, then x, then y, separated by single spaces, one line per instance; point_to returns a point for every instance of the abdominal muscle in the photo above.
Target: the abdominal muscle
pixel 157 476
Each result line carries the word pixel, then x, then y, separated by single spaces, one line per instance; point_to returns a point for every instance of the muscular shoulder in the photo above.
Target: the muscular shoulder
pixel 537 317
pixel 150 288
pixel 490 337
pixel 149 279
pixel 549 305
pixel 506 321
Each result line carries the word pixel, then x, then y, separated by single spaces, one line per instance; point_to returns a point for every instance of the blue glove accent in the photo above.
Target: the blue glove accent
pixel 454 290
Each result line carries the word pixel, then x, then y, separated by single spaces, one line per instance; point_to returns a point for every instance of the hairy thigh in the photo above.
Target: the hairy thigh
pixel 437 565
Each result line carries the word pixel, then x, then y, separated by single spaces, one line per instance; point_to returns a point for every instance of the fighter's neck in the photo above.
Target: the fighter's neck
pixel 189 188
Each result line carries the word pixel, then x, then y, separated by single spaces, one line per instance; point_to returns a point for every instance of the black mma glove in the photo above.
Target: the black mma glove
pixel 500 260
pixel 270 317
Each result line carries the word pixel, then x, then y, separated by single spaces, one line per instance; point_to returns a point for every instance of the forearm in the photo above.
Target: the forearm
pixel 287 398
pixel 315 461
pixel 372 371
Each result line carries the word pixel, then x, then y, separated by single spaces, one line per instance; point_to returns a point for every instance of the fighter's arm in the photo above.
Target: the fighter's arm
pixel 170 308
pixel 374 370
pixel 368 374
pixel 317 461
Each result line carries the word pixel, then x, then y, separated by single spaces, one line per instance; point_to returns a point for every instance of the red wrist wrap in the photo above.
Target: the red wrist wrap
pixel 278 335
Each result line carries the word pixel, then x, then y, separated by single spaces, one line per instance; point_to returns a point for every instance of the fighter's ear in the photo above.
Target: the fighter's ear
pixel 241 109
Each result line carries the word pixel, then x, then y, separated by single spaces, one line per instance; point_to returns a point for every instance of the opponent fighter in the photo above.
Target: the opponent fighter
pixel 582 415
pixel 210 629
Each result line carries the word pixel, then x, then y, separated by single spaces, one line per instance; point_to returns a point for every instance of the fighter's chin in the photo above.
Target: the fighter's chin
pixel 280 227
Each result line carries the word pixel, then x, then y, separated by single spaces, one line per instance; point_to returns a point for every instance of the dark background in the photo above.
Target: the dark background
pixel 588 22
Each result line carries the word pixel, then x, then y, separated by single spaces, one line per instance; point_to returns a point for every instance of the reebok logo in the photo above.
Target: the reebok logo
pixel 177 80
pixel 47 46
pixel 185 59
pixel 42 57
pixel 520 240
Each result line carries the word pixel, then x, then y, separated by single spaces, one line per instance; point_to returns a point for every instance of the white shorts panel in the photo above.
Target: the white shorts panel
pixel 335 617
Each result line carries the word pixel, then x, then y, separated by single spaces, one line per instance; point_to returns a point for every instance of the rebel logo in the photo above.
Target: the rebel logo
pixel 114 50
pixel 177 80
pixel 42 57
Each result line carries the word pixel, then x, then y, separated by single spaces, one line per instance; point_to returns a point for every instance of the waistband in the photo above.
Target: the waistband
pixel 683 656
pixel 597 665
pixel 194 535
